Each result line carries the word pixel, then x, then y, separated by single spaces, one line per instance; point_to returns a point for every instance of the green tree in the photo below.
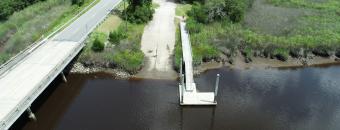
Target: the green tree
pixel 78 2
pixel 139 11
pixel 213 10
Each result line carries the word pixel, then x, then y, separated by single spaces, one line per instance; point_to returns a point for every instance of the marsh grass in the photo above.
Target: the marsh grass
pixel 274 30
pixel 182 9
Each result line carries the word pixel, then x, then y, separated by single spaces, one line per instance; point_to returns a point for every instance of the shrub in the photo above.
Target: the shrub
pixel 281 54
pixel 296 52
pixel 337 53
pixel 116 36
pixel 130 61
pixel 321 51
pixel 78 2
pixel 203 52
pixel 192 26
pixel 98 45
pixel 235 9
pixel 214 10
pixel 4 57
pixel 199 13
pixel 248 54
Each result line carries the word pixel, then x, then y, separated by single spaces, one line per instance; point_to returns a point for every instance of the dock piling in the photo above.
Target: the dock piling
pixel 216 86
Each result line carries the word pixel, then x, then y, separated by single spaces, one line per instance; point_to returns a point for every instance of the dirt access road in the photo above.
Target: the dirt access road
pixel 158 42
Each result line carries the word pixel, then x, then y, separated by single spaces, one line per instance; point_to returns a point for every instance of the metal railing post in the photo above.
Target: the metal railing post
pixel 216 86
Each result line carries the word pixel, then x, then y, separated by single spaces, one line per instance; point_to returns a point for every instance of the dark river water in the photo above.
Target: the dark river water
pixel 256 99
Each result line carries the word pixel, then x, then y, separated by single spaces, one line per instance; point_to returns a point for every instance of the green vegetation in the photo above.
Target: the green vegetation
pixel 124 53
pixel 281 54
pixel 178 48
pixel 99 42
pixel 155 5
pixel 316 4
pixel 182 9
pixel 116 36
pixel 8 7
pixel 139 11
pixel 78 2
pixel 214 10
pixel 31 24
pixel 123 45
pixel 129 60
pixel 112 22
pixel 266 28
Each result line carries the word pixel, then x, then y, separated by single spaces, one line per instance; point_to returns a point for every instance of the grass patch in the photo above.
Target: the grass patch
pixel 182 9
pixel 155 5
pixel 129 60
pixel 111 23
pixel 123 52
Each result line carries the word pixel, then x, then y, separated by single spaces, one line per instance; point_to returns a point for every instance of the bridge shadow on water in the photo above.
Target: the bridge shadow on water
pixel 56 97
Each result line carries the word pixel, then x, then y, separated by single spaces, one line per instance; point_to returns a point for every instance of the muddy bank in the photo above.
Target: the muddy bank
pixel 240 62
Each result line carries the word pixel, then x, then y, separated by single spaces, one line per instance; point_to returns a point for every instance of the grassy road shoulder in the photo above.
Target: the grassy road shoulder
pixel 31 24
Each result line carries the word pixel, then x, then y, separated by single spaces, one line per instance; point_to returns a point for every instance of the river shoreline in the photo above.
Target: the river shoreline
pixel 239 63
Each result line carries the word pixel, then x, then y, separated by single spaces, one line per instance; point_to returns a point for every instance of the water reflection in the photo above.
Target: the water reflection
pixel 303 98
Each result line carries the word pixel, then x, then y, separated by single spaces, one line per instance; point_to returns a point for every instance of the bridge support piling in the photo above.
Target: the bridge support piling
pixel 63 76
pixel 216 86
pixel 31 114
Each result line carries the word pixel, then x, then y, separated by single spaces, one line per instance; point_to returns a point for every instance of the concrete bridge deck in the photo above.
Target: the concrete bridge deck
pixel 189 95
pixel 27 79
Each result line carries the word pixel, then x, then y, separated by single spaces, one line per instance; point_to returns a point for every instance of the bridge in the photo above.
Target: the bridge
pixel 28 74
pixel 189 95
